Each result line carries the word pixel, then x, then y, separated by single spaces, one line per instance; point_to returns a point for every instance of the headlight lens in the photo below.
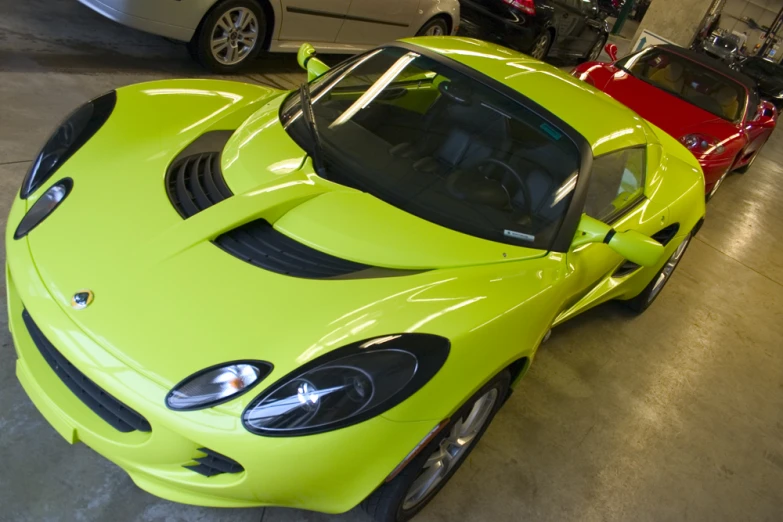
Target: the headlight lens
pixel 701 144
pixel 217 384
pixel 45 205
pixel 347 386
pixel 69 137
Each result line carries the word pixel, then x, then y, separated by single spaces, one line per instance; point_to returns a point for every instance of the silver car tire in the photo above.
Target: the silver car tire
pixel 230 36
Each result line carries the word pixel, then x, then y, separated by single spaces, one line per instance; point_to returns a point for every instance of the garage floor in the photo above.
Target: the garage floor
pixel 674 415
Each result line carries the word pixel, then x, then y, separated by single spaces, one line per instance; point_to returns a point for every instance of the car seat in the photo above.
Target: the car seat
pixel 727 97
pixel 671 77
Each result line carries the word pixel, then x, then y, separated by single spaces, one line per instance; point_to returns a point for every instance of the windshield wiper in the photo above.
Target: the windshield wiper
pixel 309 117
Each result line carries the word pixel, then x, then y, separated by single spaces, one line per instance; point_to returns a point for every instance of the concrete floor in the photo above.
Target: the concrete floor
pixel 674 415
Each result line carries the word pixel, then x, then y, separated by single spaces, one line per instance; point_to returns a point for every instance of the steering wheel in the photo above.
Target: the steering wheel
pixel 487 189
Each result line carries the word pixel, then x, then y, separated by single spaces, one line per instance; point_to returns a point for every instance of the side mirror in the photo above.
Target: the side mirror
pixel 307 61
pixel 611 50
pixel 633 246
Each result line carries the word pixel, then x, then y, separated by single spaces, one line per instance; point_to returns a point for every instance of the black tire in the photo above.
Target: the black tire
pixel 599 44
pixel 642 302
pixel 434 27
pixel 746 168
pixel 543 43
pixel 200 46
pixel 385 504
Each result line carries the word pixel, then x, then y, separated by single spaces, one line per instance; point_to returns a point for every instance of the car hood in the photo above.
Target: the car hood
pixel 169 302
pixel 672 114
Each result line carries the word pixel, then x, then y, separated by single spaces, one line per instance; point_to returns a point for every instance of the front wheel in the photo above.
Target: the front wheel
pixel 435 27
pixel 743 170
pixel 230 36
pixel 417 484
pixel 642 302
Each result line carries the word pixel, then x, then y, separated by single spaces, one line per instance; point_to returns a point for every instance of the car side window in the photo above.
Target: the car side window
pixel 616 184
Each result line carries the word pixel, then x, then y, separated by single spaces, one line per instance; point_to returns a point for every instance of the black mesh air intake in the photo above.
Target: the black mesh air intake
pixel 258 243
pixel 195 183
pixel 119 416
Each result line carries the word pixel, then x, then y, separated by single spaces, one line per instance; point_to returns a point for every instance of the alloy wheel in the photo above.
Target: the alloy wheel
pixel 234 36
pixel 596 52
pixel 716 185
pixel 539 50
pixel 434 30
pixel 451 450
pixel 668 268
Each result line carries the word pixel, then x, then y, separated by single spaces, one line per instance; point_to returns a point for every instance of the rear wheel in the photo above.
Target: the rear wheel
pixel 418 483
pixel 435 27
pixel 593 54
pixel 642 302
pixel 230 36
pixel 541 46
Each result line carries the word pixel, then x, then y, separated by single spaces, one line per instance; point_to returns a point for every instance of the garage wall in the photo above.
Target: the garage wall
pixel 762 11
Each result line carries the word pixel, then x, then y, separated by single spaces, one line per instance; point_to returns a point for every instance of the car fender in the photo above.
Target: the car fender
pixel 430 9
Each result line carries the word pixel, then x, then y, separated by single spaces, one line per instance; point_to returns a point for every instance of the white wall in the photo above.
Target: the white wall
pixel 762 11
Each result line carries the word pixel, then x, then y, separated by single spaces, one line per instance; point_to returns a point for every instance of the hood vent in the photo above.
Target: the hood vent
pixel 195 183
pixel 259 244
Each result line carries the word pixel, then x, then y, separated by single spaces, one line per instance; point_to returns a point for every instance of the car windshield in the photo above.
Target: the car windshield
pixel 763 67
pixel 725 43
pixel 689 80
pixel 440 144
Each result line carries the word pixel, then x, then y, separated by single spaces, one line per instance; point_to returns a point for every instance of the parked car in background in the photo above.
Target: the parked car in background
pixel 224 35
pixel 610 7
pixel 721 48
pixel 715 111
pixel 540 28
pixel 768 76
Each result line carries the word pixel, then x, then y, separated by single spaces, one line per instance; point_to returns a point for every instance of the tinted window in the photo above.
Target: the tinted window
pixel 616 184
pixel 441 145
pixel 725 43
pixel 691 81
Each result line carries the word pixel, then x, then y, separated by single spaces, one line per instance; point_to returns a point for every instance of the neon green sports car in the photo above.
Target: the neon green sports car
pixel 321 298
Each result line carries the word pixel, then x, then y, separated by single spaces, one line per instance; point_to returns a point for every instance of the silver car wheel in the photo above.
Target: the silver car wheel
pixel 451 449
pixel 716 185
pixel 596 52
pixel 234 36
pixel 539 51
pixel 668 268
pixel 435 30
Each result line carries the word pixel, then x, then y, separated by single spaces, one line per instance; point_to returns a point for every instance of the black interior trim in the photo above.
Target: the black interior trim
pixel 327 14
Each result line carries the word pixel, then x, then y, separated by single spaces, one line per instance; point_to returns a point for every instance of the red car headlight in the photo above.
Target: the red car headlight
pixel 702 144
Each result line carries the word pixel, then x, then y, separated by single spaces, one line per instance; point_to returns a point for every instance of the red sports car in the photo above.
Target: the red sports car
pixel 714 111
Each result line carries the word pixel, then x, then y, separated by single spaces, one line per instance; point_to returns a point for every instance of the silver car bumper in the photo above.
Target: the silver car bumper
pixel 152 17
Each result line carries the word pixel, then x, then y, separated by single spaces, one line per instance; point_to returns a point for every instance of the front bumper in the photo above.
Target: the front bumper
pixel 330 472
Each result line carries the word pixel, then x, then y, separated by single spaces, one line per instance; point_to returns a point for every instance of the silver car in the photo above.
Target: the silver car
pixel 721 48
pixel 223 35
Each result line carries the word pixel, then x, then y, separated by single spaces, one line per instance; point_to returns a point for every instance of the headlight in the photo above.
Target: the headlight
pixel 69 137
pixel 701 144
pixel 217 384
pixel 347 386
pixel 45 205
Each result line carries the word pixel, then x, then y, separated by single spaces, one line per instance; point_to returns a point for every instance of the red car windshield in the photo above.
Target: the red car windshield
pixel 691 81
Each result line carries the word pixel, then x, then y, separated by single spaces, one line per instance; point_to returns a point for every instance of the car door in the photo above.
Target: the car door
pixel 313 20
pixel 593 28
pixel 568 22
pixel 615 196
pixel 377 21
